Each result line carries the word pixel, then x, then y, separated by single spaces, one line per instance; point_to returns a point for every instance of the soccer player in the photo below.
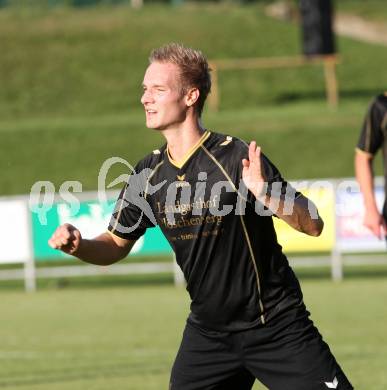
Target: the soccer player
pixel 373 137
pixel 214 198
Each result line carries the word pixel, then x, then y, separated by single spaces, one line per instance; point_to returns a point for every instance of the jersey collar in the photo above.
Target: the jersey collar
pixel 179 164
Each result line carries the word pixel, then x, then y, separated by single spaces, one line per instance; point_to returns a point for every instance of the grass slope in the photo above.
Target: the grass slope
pixel 370 9
pixel 70 87
pixel 75 148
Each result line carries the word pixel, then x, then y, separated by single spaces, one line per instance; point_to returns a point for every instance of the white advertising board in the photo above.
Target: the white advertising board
pixel 14 232
pixel 351 234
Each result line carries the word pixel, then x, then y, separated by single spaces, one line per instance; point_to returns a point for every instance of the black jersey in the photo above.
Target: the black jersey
pixel 236 273
pixel 373 135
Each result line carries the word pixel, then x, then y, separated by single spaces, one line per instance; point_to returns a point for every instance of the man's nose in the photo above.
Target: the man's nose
pixel 146 97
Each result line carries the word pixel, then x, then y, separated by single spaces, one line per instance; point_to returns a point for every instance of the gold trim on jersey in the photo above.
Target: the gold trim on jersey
pixel 357 149
pixel 111 233
pixel 255 267
pixel 125 239
pixel 228 140
pixel 179 164
pixel 213 158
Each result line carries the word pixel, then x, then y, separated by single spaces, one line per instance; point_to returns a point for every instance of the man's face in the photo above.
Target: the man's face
pixel 162 99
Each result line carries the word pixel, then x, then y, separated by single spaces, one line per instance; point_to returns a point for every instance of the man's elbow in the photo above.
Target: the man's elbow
pixel 315 232
pixel 316 228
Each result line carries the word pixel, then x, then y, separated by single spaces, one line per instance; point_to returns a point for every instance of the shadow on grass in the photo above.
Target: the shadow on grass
pixel 350 272
pixel 122 370
pixel 289 97
pixel 108 282
pixel 100 282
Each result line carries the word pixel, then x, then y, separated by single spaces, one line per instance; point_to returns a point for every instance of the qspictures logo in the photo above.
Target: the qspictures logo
pixel 183 198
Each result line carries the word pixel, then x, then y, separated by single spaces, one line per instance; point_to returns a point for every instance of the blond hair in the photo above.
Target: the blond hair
pixel 193 65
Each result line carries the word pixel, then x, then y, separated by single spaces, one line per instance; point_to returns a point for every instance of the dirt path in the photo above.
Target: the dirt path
pixel 358 28
pixel 348 25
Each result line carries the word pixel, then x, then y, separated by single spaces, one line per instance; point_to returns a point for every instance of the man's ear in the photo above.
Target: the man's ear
pixel 192 96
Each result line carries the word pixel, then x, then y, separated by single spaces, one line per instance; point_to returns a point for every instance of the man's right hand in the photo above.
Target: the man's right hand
pixel 66 238
pixel 375 222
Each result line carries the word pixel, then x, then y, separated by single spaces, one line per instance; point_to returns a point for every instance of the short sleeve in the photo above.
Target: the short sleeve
pixel 371 136
pixel 277 186
pixel 132 214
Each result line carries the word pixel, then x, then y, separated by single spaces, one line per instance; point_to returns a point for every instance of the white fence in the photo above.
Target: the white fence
pixel 24 233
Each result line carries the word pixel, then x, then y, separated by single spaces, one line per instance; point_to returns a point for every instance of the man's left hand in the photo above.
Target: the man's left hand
pixel 252 173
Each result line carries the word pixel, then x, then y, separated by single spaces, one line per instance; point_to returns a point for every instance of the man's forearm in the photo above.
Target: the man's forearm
pixel 304 217
pixel 100 250
pixel 365 178
pixel 299 213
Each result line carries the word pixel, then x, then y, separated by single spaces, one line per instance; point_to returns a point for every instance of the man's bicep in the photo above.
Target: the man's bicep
pixel 361 155
pixel 120 242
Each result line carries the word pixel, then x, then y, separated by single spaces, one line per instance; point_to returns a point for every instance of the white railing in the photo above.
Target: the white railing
pixel 344 237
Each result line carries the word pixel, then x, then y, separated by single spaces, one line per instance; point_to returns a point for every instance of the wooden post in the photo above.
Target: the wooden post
pixel 329 64
pixel 336 266
pixel 331 80
pixel 29 265
pixel 178 275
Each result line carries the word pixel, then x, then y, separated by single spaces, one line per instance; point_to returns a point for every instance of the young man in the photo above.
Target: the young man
pixel 214 197
pixel 373 137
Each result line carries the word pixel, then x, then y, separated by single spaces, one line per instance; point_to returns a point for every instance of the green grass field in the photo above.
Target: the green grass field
pixel 126 337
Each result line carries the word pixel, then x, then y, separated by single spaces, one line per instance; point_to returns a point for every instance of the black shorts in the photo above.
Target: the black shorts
pixel 288 353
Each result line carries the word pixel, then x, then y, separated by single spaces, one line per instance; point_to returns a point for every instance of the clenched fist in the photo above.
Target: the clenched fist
pixel 66 238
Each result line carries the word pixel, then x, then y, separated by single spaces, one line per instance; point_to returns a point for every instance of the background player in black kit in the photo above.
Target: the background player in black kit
pixel 214 197
pixel 373 137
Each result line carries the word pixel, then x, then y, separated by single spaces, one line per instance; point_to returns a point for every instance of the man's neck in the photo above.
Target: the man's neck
pixel 181 140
